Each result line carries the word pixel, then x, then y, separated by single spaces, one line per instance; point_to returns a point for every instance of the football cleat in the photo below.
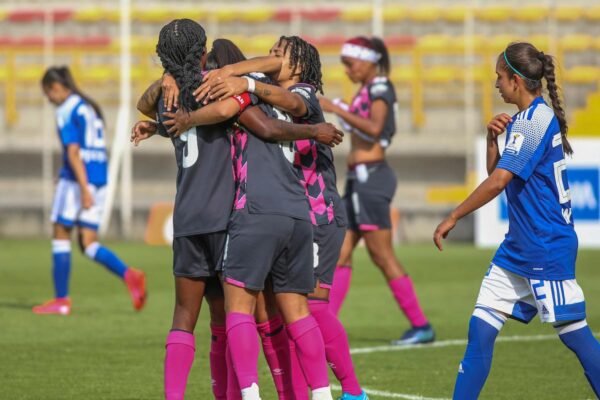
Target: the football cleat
pixel 136 284
pixel 420 335
pixel 60 306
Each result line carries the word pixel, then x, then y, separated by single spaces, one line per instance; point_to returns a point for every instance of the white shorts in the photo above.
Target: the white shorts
pixel 522 298
pixel 67 210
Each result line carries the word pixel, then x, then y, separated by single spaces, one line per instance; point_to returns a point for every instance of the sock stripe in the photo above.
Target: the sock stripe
pixel 61 246
pixel 489 318
pixel 275 332
pixel 570 327
pixel 501 318
pixel 92 249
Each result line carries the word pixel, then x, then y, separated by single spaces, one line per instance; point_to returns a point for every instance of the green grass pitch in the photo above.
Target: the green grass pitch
pixel 105 350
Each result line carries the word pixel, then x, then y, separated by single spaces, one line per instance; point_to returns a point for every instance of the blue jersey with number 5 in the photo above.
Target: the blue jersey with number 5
pixel 78 124
pixel 541 242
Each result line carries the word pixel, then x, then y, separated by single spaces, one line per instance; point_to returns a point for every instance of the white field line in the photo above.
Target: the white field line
pixel 450 342
pixel 391 395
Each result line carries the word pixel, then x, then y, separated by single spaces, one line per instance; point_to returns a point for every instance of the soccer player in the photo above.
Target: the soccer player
pixel 534 268
pixel 296 66
pixel 80 193
pixel 371 182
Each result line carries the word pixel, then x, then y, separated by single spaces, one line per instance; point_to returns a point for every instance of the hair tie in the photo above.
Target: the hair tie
pixel 513 68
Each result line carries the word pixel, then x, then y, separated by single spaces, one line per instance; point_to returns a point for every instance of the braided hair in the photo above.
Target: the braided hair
pixel 533 65
pixel 305 56
pixel 181 44
pixel 62 75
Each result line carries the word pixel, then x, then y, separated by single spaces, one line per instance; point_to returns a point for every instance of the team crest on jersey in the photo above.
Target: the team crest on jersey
pixel 515 142
pixel 378 88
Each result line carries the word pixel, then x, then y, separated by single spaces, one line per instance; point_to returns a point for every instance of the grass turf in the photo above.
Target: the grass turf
pixel 105 350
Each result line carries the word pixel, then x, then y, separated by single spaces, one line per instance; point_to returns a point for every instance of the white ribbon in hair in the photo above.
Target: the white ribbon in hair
pixel 360 52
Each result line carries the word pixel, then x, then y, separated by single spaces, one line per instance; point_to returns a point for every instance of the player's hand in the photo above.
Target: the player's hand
pixel 327 105
pixel 177 123
pixel 87 201
pixel 442 230
pixel 328 134
pixel 170 91
pixel 497 125
pixel 210 80
pixel 228 87
pixel 142 130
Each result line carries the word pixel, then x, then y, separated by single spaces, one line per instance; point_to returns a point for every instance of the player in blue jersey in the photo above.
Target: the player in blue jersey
pixel 81 190
pixel 533 271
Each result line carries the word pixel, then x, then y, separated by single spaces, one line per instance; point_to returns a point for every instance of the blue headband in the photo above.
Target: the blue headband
pixel 513 68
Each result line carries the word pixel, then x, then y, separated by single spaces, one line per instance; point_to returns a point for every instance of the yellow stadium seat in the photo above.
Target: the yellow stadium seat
pixel 29 73
pixel 226 14
pixel 541 42
pixel 243 42
pixel 257 15
pixel 593 13
pixel 3 14
pixel 402 74
pixel 261 44
pixel 433 43
pixel 568 13
pixel 95 14
pixel 100 73
pixel 153 14
pixel 575 42
pixel 459 43
pixel 3 72
pixel 585 122
pixel 143 44
pixel 480 73
pixel 442 74
pixel 395 13
pixel 582 74
pixel 596 44
pixel 334 74
pixel 497 13
pixel 498 43
pixel 428 13
pixel 533 13
pixel 455 13
pixel 360 13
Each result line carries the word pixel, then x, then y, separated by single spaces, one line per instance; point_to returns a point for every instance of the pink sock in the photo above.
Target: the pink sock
pixel 298 380
pixel 405 295
pixel 339 288
pixel 310 350
pixel 218 361
pixel 178 362
pixel 276 349
pixel 233 387
pixel 242 340
pixel 337 348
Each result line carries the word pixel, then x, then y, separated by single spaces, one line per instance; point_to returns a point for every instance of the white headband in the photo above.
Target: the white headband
pixel 360 52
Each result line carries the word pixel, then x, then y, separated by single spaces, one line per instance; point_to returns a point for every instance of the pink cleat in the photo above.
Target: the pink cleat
pixel 61 306
pixel 136 284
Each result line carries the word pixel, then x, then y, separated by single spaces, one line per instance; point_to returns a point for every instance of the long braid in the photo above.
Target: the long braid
pixel 555 99
pixel 306 56
pixel 181 44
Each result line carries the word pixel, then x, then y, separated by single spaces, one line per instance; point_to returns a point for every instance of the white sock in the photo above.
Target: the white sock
pixel 323 393
pixel 251 393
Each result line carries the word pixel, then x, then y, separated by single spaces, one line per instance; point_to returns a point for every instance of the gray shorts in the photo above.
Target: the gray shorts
pixel 263 244
pixel 198 256
pixel 370 189
pixel 328 240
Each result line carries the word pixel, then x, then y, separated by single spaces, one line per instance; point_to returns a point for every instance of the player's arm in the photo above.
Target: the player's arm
pixel 483 194
pixel 143 130
pixel 76 163
pixel 495 127
pixel 148 103
pixel 372 126
pixel 271 129
pixel 211 114
pixel 276 96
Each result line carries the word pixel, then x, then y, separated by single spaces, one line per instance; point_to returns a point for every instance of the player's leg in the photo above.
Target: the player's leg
pixel 218 344
pixel 276 345
pixel 64 213
pixel 343 272
pixel 327 241
pixel 502 294
pixel 381 251
pixel 134 279
pixel 180 345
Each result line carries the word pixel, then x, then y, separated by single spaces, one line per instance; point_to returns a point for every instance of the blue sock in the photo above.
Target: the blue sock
pixel 104 256
pixel 579 338
pixel 61 267
pixel 484 327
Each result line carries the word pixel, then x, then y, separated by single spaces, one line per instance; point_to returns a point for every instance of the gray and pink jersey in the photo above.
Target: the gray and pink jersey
pixel 314 163
pixel 380 88
pixel 266 180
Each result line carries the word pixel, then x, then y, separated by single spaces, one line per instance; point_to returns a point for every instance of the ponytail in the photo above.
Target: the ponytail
pixel 384 63
pixel 552 87
pixel 63 76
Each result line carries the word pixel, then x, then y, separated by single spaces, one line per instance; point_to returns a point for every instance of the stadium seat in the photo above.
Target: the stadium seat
pixel 225 14
pixel 495 13
pixel 442 74
pixel 357 13
pixel 29 73
pixel 592 13
pixel 283 15
pixel 141 44
pixel 575 43
pixel 425 13
pixel 498 43
pixel 534 13
pixel 257 15
pixel 435 44
pixel 402 74
pixel 582 74
pixel 25 15
pixel 397 43
pixel 334 74
pixel 152 14
pixel 541 42
pixel 321 15
pixel 96 14
pixel 395 13
pixel 99 73
pixel 329 44
pixel 3 14
pixel 455 13
pixel 4 73
pixel 261 44
pixel 567 13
